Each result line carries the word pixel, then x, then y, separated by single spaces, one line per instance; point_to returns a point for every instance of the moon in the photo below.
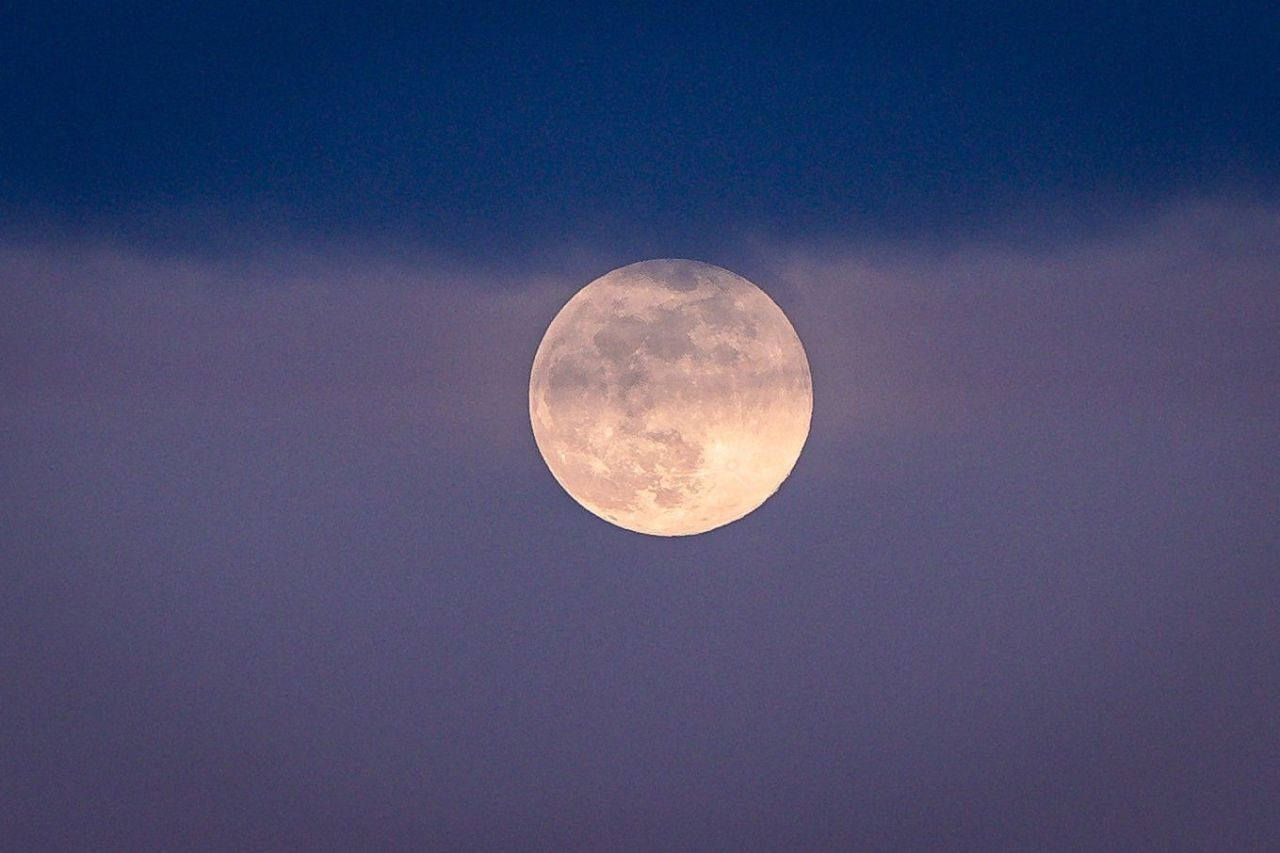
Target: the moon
pixel 670 397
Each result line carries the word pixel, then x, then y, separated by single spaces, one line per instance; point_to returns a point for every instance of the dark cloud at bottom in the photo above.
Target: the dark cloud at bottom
pixel 284 568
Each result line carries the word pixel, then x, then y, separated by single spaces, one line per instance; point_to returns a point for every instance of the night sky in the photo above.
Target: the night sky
pixel 283 568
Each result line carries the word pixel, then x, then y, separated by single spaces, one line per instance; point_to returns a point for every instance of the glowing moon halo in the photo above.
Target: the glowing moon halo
pixel 670 397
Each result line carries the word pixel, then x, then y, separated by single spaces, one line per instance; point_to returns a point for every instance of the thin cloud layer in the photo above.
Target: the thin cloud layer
pixel 278 542
pixel 389 345
pixel 1178 305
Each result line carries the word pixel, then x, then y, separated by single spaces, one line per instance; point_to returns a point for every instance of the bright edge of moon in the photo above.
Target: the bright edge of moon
pixel 670 397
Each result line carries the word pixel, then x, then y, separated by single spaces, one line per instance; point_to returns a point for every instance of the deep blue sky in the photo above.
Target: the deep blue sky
pixel 486 128
pixel 283 568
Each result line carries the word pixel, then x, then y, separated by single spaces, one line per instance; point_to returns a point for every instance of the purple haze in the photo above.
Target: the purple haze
pixel 286 570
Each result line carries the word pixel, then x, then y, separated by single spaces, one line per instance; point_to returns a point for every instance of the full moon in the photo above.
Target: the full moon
pixel 670 397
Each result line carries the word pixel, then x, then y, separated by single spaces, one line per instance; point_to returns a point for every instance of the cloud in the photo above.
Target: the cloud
pixel 278 541
pixel 389 343
pixel 1177 305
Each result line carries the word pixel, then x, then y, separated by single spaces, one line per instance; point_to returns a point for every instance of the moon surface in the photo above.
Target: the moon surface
pixel 670 397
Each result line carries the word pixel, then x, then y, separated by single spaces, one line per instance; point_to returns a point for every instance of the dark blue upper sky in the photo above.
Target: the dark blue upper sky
pixel 477 126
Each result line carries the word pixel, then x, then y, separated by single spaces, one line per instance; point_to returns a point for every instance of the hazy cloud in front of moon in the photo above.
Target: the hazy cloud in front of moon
pixel 1177 304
